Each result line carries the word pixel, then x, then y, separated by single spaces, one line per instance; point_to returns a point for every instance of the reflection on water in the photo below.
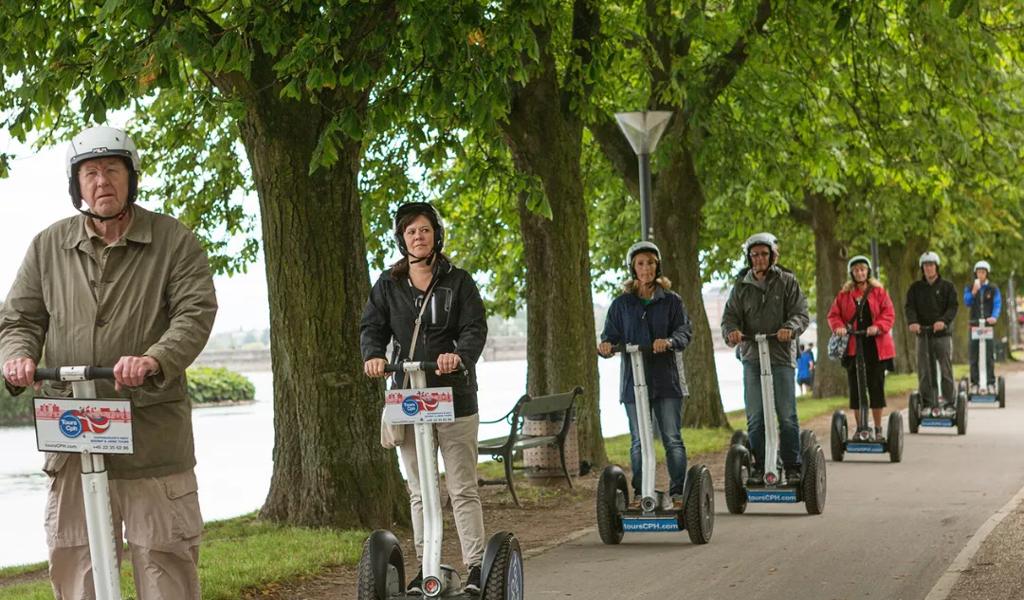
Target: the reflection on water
pixel 234 446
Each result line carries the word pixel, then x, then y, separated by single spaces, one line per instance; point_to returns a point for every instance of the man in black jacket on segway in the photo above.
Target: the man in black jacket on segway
pixel 932 302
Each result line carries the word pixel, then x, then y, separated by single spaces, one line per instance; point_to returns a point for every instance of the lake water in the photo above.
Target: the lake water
pixel 229 486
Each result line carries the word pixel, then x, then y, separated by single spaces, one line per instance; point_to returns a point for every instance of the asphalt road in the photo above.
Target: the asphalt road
pixel 888 530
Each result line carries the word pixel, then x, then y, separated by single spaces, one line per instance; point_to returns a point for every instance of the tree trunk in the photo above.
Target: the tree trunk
pixel 902 270
pixel 829 276
pixel 329 468
pixel 678 202
pixel 545 140
pixel 962 322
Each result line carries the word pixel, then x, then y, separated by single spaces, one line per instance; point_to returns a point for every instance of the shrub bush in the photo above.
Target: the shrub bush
pixel 207 384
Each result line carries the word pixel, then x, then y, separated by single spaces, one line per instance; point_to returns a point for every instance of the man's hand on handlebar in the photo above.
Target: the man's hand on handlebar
pixel 375 367
pixel 915 328
pixel 784 335
pixel 662 345
pixel 448 363
pixel 604 349
pixel 132 371
pixel 939 326
pixel 734 337
pixel 991 320
pixel 20 372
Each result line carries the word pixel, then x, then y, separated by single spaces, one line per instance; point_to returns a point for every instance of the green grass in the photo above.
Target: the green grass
pixel 238 554
pixel 8 572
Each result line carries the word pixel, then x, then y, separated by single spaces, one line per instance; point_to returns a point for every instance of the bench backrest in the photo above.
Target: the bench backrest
pixel 545 405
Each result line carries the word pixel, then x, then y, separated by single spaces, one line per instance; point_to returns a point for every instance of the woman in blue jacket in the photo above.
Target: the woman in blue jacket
pixel 647 313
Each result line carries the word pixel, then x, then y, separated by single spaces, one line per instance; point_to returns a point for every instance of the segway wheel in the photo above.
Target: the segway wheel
pixel 699 512
pixel 914 411
pixel 381 571
pixel 610 489
pixel 961 414
pixel 814 480
pixel 894 441
pixel 740 437
pixel 737 465
pixel 1001 391
pixel 838 439
pixel 503 562
pixel 807 439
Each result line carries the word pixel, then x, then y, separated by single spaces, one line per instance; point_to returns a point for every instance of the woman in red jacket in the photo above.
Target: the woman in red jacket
pixel 863 304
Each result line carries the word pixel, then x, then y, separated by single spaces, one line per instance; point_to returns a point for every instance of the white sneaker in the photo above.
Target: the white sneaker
pixel 974 388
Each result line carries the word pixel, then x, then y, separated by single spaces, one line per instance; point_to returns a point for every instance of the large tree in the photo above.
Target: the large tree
pixel 300 86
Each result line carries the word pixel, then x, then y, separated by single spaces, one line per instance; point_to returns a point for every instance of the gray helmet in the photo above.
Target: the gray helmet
pixel 929 257
pixel 983 264
pixel 762 239
pixel 97 142
pixel 860 258
pixel 639 248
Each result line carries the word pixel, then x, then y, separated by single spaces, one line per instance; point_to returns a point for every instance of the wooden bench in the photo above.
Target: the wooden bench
pixel 503 449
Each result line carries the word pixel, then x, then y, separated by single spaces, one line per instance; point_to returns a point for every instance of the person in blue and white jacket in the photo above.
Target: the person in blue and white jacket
pixel 984 301
pixel 648 313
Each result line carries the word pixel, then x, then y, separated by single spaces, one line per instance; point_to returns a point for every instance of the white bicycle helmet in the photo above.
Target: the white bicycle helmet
pixel 97 142
pixel 983 264
pixel 859 259
pixel 929 257
pixel 638 248
pixel 762 239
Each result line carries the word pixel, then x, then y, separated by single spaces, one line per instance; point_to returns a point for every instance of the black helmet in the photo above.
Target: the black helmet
pixel 641 247
pixel 411 209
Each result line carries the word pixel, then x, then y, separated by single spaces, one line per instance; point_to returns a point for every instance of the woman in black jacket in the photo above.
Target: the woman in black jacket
pixel 452 331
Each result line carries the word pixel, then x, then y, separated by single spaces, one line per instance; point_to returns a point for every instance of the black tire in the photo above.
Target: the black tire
pixel 838 439
pixel 914 412
pixel 894 439
pixel 737 465
pixel 505 576
pixel 609 514
pixel 740 437
pixel 381 571
pixel 814 480
pixel 1001 391
pixel 961 414
pixel 699 512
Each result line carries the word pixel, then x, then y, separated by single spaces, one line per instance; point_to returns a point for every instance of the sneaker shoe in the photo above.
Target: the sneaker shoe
pixel 878 433
pixel 634 504
pixel 756 477
pixel 473 580
pixel 416 584
pixel 677 502
pixel 974 388
pixel 792 475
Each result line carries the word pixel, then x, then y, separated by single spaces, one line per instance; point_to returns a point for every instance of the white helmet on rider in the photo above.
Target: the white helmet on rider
pixel 983 264
pixel 762 239
pixel 857 260
pixel 929 257
pixel 97 142
pixel 639 248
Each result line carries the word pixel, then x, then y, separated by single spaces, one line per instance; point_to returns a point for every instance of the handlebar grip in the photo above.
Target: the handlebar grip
pixel 425 365
pixel 73 373
pixel 749 337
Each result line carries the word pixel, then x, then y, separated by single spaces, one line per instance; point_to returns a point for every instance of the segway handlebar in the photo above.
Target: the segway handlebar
pixel 73 373
pixel 750 337
pixel 414 365
pixel 617 348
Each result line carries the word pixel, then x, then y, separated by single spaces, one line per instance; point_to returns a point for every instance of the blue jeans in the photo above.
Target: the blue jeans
pixel 667 418
pixel 785 408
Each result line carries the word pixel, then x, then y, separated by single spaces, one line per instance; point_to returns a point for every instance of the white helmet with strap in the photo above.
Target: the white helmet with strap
pixel 929 257
pixel 762 239
pixel 982 264
pixel 98 142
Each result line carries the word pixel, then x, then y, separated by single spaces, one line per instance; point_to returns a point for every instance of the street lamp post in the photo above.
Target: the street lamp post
pixel 643 130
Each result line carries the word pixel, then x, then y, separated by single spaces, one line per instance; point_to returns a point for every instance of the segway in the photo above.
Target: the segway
pixel 945 412
pixel 985 395
pixel 381 572
pixel 864 441
pixel 773 488
pixel 92 428
pixel 656 512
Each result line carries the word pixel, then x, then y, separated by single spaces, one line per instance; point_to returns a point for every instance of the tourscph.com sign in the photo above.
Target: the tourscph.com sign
pixel 428 405
pixel 79 424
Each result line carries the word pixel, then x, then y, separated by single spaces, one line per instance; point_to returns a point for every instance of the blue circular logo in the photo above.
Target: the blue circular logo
pixel 411 406
pixel 70 425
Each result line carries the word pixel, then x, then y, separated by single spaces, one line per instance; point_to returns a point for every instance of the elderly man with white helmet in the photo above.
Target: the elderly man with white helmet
pixel 985 302
pixel 932 303
pixel 767 299
pixel 118 286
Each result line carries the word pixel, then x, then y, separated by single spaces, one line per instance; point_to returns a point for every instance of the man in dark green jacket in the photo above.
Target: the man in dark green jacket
pixel 767 299
pixel 124 287
pixel 931 308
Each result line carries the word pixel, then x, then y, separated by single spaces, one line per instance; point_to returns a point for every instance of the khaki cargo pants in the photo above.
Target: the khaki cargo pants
pixel 160 517
pixel 457 442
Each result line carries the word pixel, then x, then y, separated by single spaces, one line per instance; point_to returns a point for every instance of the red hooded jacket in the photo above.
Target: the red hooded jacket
pixel 883 315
